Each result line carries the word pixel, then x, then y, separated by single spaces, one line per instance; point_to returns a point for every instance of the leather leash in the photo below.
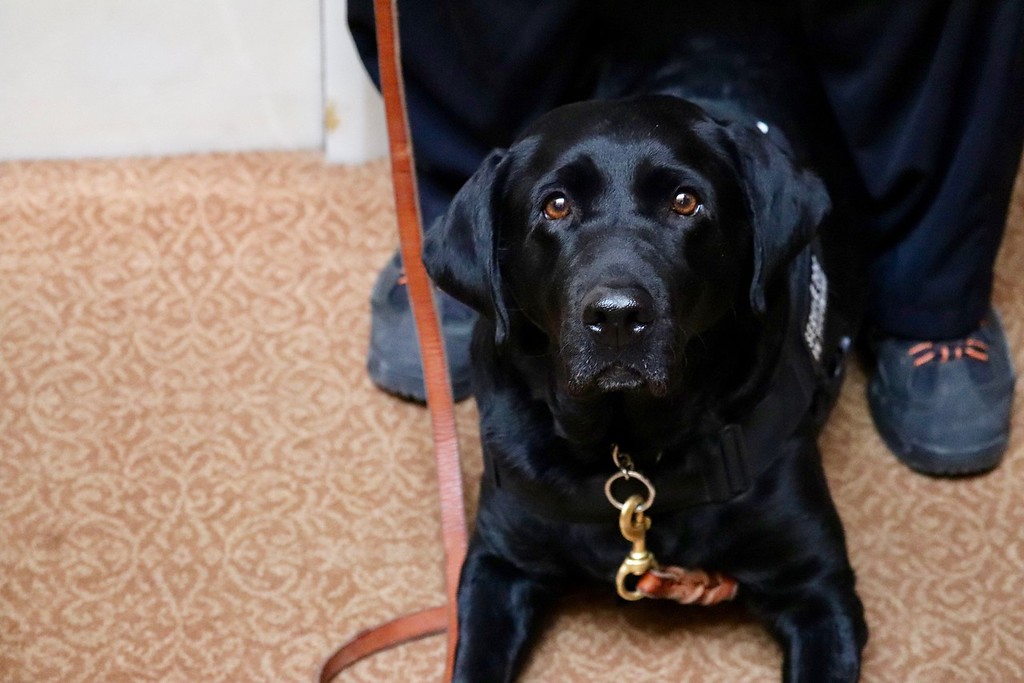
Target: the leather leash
pixel 435 370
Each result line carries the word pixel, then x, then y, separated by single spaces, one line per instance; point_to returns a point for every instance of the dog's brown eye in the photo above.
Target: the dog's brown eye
pixel 557 207
pixel 685 203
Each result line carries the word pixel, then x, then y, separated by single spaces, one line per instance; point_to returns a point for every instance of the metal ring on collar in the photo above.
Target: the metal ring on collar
pixel 630 474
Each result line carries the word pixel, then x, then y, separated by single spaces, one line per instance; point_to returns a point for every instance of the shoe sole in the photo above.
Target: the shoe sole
pixel 410 387
pixel 939 464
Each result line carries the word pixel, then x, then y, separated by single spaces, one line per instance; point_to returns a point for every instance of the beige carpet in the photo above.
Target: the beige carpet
pixel 198 482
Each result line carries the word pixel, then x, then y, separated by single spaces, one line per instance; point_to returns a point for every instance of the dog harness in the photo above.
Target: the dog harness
pixel 802 386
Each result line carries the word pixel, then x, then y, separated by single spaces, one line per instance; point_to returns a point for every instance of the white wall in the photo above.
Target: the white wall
pixel 131 77
pixel 354 112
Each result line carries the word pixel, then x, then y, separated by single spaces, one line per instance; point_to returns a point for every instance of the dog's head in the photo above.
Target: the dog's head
pixel 622 231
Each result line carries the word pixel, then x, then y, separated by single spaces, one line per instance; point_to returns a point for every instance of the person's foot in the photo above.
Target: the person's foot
pixel 394 357
pixel 944 407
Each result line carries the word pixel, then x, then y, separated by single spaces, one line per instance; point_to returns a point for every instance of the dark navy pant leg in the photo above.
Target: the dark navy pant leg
pixel 930 97
pixel 476 72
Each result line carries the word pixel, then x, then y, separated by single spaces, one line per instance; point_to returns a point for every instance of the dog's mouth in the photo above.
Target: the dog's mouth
pixel 618 377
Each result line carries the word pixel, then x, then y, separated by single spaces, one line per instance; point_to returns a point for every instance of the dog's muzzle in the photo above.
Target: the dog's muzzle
pixel 614 343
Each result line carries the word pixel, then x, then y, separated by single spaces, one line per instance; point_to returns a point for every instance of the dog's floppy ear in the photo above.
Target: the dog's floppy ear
pixel 786 204
pixel 460 250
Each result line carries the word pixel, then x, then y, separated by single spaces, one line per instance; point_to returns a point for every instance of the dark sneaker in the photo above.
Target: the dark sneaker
pixel 944 407
pixel 394 358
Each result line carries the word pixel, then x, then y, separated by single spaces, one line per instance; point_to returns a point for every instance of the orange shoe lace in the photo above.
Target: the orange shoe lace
pixel 940 352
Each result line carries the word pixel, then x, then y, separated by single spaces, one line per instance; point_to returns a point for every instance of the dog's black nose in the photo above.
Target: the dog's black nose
pixel 617 317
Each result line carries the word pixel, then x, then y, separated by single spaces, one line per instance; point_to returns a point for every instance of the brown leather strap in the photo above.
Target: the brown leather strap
pixel 687 586
pixel 435 371
pixel 401 630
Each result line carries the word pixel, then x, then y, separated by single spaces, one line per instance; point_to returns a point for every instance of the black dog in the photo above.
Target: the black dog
pixel 649 277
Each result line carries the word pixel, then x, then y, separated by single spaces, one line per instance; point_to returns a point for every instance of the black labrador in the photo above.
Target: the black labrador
pixel 651 282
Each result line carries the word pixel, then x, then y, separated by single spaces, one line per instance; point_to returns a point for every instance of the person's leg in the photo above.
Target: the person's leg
pixel 476 71
pixel 930 96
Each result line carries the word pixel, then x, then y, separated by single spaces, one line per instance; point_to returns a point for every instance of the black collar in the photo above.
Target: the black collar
pixel 745 448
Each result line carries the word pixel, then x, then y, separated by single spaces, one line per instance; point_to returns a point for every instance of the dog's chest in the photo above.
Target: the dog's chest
pixel 595 549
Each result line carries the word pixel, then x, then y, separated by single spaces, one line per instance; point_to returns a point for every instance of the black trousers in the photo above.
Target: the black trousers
pixel 927 95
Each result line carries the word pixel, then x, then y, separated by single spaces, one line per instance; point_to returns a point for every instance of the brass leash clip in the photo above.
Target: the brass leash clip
pixel 685 586
pixel 634 525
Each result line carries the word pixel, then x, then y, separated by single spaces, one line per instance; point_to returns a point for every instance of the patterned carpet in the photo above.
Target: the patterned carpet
pixel 198 482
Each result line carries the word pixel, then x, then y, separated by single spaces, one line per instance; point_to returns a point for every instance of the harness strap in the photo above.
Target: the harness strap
pixel 435 372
